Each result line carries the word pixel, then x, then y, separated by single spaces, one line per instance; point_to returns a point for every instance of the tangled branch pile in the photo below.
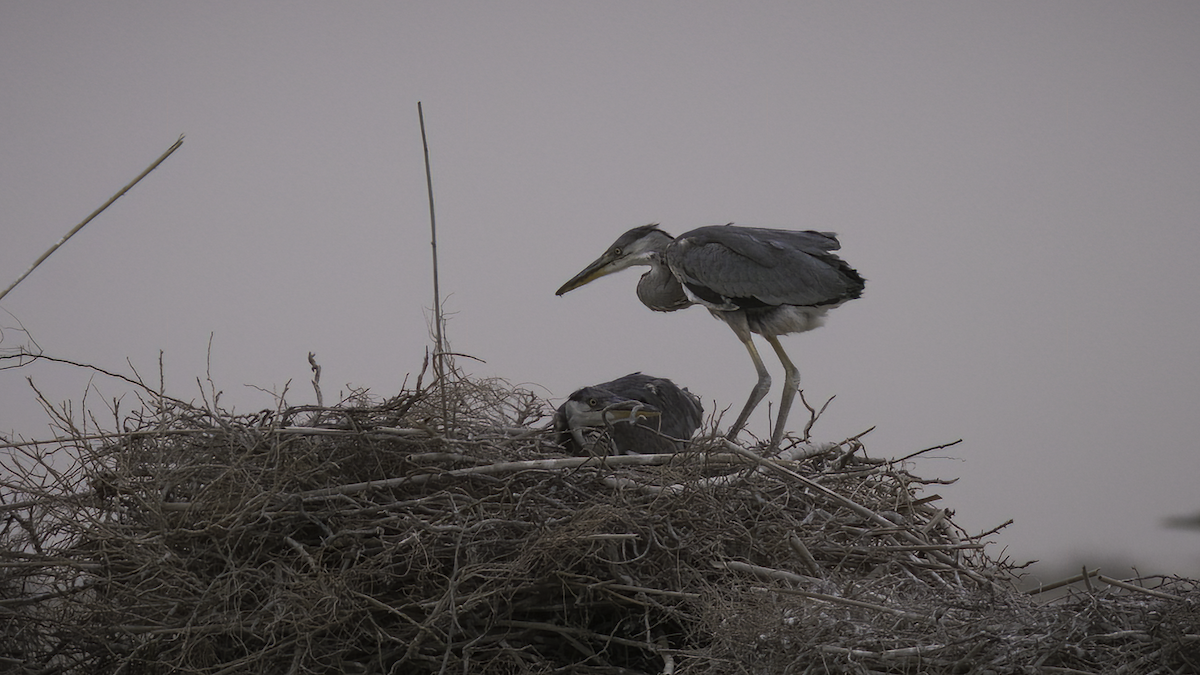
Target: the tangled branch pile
pixel 431 535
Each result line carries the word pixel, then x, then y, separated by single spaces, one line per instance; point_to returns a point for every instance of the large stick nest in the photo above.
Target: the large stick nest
pixel 443 531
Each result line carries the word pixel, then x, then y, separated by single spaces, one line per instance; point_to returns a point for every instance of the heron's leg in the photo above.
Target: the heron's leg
pixel 760 390
pixel 791 384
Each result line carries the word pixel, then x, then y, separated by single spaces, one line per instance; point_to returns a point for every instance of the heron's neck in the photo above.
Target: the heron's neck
pixel 659 290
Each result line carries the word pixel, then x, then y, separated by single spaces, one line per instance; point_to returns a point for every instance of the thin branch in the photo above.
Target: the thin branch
pixel 316 382
pixel 1132 587
pixel 921 452
pixel 1062 582
pixel 95 213
pixel 440 353
pixel 137 383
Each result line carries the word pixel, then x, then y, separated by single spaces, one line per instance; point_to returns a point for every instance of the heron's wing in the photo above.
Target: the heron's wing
pixel 680 410
pixel 747 265
pixel 682 413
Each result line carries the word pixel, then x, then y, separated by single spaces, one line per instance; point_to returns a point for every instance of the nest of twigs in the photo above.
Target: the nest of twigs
pixel 443 531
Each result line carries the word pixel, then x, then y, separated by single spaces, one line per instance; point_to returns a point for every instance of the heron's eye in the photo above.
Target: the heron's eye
pixel 616 252
pixel 592 403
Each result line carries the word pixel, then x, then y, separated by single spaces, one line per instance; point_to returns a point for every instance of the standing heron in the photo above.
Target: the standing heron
pixel 642 415
pixel 770 282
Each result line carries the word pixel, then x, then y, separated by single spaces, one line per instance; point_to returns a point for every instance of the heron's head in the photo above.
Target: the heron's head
pixel 639 246
pixel 595 407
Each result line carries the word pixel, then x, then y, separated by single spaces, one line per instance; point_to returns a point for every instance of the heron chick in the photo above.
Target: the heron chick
pixel 756 280
pixel 634 414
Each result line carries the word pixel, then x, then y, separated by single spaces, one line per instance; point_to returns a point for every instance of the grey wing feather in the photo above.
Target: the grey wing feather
pixel 682 412
pixel 685 406
pixel 774 267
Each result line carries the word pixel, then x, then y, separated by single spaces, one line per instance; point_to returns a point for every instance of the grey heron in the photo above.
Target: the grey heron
pixel 642 415
pixel 757 280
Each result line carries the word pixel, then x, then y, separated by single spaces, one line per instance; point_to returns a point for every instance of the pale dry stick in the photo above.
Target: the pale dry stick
pixel 767 572
pixel 1121 636
pixel 501 467
pixel 383 432
pixel 937 519
pixel 783 575
pixel 668 657
pixel 1132 587
pixel 911 547
pixel 710 482
pixel 806 556
pixel 801 452
pixel 316 381
pixel 299 548
pixel 1062 582
pixel 597 537
pixel 792 454
pixel 95 213
pixel 674 488
pixel 903 652
pixel 649 591
pixel 439 356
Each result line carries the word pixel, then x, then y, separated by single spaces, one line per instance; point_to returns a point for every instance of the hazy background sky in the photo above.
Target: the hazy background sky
pixel 1018 181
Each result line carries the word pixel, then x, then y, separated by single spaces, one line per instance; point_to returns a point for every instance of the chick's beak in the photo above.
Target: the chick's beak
pixel 630 410
pixel 580 415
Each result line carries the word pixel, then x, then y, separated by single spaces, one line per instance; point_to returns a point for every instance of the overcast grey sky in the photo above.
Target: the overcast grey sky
pixel 1018 181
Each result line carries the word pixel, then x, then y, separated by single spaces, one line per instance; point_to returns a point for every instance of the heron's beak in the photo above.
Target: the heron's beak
pixel 601 267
